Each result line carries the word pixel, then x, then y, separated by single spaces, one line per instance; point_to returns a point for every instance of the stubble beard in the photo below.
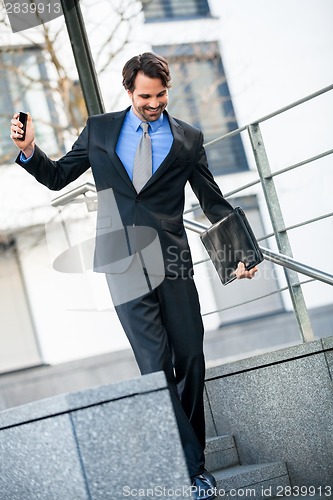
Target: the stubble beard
pixel 153 115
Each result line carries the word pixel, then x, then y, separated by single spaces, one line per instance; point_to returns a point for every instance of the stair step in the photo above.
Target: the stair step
pixel 221 452
pixel 255 482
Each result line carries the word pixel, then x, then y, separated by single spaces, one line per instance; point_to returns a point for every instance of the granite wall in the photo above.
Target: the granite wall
pixel 111 442
pixel 279 407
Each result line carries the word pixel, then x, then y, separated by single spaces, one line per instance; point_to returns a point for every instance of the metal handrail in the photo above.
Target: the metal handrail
pixel 302 163
pixel 275 257
pixel 271 115
pixel 226 195
pixel 273 174
pixel 299 224
pixel 250 301
pixel 197 227
pixel 68 197
pixel 290 263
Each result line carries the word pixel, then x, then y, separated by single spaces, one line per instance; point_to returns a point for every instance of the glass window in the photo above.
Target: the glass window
pixel 200 96
pixel 174 9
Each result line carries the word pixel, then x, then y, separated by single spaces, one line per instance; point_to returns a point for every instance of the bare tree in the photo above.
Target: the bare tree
pixel 109 26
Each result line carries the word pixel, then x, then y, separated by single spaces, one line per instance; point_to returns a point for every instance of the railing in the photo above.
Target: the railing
pixel 280 231
pixel 70 196
pixel 276 258
pixel 266 178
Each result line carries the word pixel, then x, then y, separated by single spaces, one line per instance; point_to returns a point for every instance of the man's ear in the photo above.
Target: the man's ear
pixel 130 94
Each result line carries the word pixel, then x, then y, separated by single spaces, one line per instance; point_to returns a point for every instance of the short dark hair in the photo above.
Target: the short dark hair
pixel 151 65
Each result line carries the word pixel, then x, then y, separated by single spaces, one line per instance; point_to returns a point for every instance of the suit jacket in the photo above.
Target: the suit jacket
pixel 159 205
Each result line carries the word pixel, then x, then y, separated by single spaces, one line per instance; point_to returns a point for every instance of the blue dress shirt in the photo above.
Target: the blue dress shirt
pixel 129 138
pixel 24 159
pixel 130 135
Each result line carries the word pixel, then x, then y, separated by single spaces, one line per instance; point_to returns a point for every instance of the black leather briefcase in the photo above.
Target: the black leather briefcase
pixel 230 241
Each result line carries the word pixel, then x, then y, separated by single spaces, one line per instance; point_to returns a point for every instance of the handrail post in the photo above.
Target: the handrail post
pixel 83 57
pixel 279 228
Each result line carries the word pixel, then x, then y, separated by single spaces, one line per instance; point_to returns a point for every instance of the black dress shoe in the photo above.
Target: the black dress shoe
pixel 203 486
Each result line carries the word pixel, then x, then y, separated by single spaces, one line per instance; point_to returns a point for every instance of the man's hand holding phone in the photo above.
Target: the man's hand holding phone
pixel 22 133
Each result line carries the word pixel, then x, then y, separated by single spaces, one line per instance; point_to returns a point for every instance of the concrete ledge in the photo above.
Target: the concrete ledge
pixel 65 403
pixel 327 343
pixel 95 444
pixel 269 358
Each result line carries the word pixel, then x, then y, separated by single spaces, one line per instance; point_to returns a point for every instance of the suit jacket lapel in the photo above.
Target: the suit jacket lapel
pixel 112 134
pixel 178 136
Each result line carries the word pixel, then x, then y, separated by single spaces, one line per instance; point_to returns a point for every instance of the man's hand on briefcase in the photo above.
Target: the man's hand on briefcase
pixel 241 272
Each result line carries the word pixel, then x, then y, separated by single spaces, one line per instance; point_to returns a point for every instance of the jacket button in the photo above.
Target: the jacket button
pixel 137 200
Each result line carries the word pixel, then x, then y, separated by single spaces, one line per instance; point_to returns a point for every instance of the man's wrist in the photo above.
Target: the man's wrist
pixel 29 151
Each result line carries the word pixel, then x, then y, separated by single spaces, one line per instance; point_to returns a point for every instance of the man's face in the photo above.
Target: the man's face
pixel 149 97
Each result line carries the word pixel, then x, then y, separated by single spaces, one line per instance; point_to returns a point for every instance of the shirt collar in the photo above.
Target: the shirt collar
pixel 135 121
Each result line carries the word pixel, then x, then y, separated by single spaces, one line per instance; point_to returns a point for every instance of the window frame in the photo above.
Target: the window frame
pixel 169 7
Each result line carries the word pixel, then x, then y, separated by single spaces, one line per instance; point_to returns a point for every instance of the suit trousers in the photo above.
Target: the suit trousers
pixel 165 330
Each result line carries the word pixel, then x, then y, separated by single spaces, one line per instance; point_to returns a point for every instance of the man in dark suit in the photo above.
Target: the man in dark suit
pixel 153 291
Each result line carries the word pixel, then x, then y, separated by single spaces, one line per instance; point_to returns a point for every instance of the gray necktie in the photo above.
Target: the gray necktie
pixel 142 170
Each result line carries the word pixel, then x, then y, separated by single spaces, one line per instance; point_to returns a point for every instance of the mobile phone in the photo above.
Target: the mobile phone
pixel 23 118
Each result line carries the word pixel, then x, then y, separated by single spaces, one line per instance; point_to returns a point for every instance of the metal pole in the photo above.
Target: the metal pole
pixel 83 57
pixel 280 232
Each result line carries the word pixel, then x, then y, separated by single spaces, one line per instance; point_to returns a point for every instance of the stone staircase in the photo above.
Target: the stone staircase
pixel 237 481
pixel 277 405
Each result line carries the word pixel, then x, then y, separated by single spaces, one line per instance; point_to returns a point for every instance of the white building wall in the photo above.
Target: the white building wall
pixel 73 313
